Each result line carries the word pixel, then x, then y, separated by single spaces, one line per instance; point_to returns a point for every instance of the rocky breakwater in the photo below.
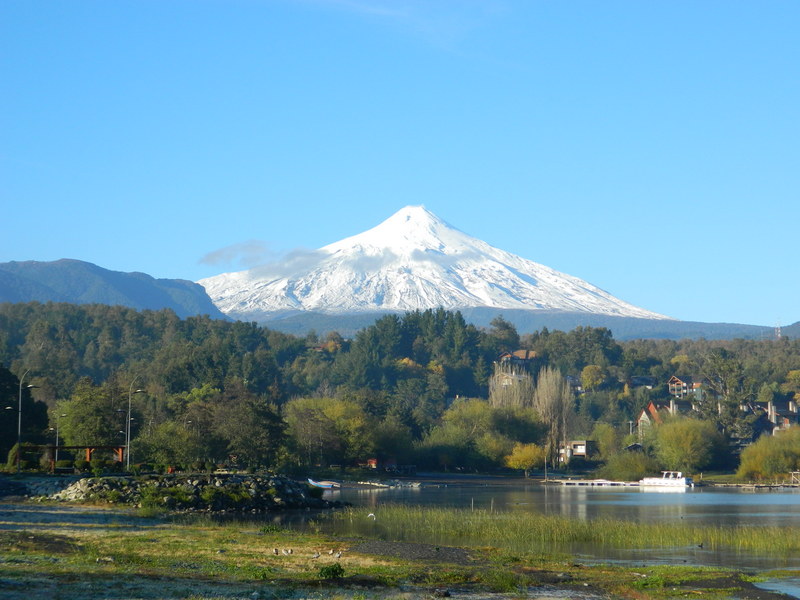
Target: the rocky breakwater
pixel 206 493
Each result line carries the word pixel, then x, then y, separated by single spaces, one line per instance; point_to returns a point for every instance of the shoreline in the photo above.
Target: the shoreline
pixel 56 546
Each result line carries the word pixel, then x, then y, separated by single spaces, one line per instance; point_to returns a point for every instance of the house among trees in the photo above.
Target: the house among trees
pixel 574 383
pixel 520 357
pixel 577 449
pixel 781 414
pixel 512 381
pixel 683 387
pixel 512 366
pixel 655 412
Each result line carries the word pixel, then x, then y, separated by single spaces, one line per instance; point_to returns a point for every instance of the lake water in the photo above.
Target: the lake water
pixel 701 505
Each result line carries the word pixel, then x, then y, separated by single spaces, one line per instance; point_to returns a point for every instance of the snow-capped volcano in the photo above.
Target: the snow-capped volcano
pixel 411 261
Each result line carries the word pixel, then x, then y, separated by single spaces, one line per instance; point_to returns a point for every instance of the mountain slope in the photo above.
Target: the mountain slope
pixel 79 282
pixel 411 261
pixel 528 321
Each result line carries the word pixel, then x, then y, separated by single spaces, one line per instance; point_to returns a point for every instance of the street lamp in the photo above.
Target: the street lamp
pixel 58 421
pixel 19 417
pixel 128 425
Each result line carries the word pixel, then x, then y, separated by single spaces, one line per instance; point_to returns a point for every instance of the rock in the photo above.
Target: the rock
pixel 234 493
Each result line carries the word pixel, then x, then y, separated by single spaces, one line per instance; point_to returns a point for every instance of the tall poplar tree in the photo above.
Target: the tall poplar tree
pixel 553 400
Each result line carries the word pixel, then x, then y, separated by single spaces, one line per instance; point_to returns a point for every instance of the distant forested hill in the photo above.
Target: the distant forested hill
pixel 427 379
pixel 80 282
pixel 529 321
pixel 396 359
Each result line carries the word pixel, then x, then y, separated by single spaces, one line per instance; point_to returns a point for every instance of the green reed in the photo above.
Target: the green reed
pixel 523 531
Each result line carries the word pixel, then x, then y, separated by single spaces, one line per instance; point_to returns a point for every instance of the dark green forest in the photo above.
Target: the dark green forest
pixel 423 388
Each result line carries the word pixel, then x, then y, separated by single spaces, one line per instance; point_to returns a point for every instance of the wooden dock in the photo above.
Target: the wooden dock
pixel 756 486
pixel 593 483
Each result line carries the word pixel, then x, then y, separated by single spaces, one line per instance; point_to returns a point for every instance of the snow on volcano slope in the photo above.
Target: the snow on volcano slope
pixel 411 261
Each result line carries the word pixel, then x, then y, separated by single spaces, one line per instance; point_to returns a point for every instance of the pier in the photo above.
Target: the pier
pixel 593 483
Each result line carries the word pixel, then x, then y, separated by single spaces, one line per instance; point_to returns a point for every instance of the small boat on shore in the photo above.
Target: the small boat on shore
pixel 668 479
pixel 325 485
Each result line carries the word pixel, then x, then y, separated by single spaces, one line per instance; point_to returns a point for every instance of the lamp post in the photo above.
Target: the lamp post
pixel 19 417
pixel 58 421
pixel 128 424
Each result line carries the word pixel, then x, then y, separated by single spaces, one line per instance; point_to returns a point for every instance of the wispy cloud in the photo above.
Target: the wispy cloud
pixel 443 22
pixel 255 256
pixel 243 255
pixel 297 261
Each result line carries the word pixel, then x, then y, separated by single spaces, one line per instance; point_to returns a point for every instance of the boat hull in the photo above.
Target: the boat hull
pixel 668 480
pixel 325 485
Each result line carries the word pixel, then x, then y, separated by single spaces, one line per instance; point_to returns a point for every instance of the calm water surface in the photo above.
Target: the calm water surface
pixel 701 505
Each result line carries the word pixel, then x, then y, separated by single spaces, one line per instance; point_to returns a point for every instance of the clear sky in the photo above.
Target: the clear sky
pixel 651 148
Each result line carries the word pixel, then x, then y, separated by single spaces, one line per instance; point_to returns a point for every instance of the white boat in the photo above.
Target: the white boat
pixel 668 479
pixel 325 485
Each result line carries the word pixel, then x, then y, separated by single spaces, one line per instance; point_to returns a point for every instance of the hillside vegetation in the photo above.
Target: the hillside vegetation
pixel 424 388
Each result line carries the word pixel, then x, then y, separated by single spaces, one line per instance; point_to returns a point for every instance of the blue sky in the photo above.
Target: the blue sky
pixel 650 148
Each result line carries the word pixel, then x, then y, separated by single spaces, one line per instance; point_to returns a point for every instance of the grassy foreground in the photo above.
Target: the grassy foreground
pixel 66 557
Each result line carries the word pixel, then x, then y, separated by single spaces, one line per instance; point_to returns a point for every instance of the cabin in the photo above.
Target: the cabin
pixel 512 376
pixel 684 387
pixel 577 449
pixel 655 413
pixel 518 357
pixel 574 383
pixel 781 414
pixel 516 361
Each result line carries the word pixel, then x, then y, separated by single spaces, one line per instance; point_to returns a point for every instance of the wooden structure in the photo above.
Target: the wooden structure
pixel 118 451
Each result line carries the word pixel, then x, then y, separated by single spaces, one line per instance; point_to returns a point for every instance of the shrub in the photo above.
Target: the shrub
pixel 212 496
pixel 152 496
pixel 113 496
pixel 226 496
pixel 771 456
pixel 628 466
pixel 149 496
pixel 81 464
pixel 12 458
pixel 314 492
pixel 333 571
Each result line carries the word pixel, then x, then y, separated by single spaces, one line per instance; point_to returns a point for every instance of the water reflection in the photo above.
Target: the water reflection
pixel 709 506
pixel 703 505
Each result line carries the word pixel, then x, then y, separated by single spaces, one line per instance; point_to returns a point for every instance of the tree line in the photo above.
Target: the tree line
pixel 416 388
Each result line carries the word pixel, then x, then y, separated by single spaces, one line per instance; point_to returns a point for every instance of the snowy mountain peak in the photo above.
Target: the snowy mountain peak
pixel 411 261
pixel 411 228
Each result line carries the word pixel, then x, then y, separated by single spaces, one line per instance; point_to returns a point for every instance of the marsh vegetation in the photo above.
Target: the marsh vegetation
pixel 73 552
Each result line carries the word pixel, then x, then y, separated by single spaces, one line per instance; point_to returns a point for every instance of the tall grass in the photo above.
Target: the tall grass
pixel 529 532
